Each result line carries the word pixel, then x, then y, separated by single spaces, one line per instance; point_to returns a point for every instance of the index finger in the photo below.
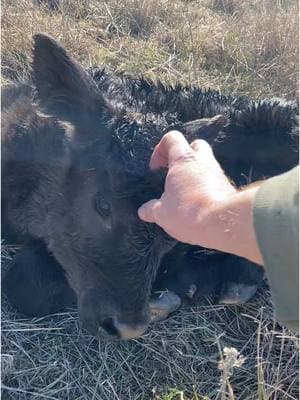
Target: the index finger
pixel 172 147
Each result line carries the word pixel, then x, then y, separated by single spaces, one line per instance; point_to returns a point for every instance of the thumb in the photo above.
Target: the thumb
pixel 148 211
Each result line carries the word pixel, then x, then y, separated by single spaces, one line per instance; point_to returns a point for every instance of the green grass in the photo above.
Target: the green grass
pixel 239 46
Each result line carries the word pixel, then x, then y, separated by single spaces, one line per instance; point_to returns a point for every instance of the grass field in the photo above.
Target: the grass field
pixel 238 46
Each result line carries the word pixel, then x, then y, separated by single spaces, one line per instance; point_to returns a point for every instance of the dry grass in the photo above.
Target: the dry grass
pixel 239 46
pixel 244 46
pixel 49 358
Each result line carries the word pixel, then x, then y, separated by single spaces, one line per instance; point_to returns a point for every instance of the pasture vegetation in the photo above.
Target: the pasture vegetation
pixel 238 46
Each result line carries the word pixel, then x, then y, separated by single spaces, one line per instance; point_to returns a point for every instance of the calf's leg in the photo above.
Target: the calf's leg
pixel 240 280
pixel 35 283
pixel 192 273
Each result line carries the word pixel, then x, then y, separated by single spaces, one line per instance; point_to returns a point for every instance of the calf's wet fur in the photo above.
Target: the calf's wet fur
pixel 76 146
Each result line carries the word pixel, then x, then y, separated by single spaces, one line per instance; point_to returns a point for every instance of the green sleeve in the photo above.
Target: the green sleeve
pixel 276 223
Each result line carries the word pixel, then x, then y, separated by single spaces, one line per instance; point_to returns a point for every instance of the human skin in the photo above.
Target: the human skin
pixel 199 204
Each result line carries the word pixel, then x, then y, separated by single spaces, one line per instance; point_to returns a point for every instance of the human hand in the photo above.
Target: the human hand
pixel 194 183
pixel 199 204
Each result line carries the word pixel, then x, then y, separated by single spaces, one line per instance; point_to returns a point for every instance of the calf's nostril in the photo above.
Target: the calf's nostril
pixel 109 326
pixel 129 331
pixel 121 330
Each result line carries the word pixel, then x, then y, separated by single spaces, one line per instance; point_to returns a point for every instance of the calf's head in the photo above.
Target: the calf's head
pixel 110 257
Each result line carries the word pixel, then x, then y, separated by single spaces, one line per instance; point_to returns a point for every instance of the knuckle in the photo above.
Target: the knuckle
pixel 202 148
pixel 185 158
pixel 200 143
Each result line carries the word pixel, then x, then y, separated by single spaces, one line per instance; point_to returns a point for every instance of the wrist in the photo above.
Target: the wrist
pixel 227 225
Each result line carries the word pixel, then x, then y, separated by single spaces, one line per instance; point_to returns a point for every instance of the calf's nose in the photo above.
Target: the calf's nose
pixel 122 330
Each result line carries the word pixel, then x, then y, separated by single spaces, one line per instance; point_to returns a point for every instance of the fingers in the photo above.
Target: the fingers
pixel 201 146
pixel 172 147
pixel 205 154
pixel 148 211
pixel 206 158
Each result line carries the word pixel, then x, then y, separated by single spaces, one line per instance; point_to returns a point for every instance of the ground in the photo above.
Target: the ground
pixel 238 46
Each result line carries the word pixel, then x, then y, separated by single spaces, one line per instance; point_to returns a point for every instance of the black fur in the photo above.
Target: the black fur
pixel 46 290
pixel 75 152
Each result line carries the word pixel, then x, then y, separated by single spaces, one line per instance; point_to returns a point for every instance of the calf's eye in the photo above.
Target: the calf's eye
pixel 102 206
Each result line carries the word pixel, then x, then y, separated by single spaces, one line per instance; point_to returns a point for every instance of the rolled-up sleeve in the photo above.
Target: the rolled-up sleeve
pixel 276 223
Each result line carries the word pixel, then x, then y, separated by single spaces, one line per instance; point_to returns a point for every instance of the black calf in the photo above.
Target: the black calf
pixel 75 153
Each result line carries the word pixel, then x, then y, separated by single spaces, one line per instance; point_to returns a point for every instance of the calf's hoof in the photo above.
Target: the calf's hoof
pixel 163 305
pixel 237 293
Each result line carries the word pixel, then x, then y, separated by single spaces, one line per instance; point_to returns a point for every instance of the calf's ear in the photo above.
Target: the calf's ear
pixel 64 89
pixel 206 128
